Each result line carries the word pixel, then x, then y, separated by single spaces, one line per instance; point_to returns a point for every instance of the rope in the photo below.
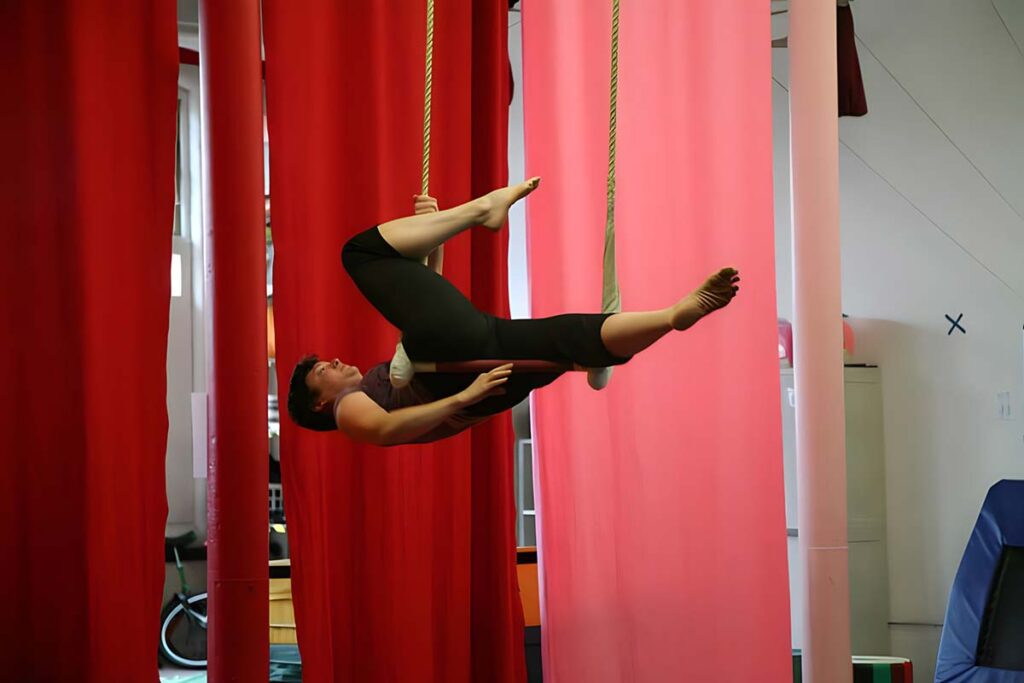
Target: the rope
pixel 610 300
pixel 427 93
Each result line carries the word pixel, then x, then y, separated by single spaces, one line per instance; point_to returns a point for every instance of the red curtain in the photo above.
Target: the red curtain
pixel 852 100
pixel 403 559
pixel 87 190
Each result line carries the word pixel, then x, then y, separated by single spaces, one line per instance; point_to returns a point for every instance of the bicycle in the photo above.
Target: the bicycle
pixel 183 619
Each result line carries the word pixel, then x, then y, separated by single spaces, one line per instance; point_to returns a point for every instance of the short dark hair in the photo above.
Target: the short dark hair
pixel 302 400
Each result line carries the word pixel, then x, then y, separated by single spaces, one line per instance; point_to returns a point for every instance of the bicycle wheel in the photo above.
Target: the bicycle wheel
pixel 183 633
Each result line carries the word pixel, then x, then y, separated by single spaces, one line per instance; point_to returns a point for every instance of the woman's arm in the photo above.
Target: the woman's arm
pixel 363 420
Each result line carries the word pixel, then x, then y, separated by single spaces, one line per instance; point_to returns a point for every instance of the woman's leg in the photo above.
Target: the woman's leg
pixel 431 312
pixel 597 340
pixel 416 236
pixel 625 334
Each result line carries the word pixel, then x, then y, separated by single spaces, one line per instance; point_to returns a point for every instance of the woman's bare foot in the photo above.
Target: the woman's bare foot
pixel 716 292
pixel 495 204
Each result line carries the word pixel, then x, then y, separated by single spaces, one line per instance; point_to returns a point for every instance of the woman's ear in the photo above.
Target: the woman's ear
pixel 319 406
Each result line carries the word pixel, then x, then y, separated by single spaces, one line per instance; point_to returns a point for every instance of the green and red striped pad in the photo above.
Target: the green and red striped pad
pixel 870 669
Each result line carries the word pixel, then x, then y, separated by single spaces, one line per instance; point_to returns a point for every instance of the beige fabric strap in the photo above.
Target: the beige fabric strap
pixel 610 299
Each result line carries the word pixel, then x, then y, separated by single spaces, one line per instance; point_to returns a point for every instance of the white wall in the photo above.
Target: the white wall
pixel 188 24
pixel 931 211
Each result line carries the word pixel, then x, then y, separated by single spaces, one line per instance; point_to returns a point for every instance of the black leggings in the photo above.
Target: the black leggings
pixel 438 323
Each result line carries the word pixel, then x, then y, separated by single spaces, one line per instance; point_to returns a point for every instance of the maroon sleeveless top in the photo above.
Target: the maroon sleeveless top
pixel 377 385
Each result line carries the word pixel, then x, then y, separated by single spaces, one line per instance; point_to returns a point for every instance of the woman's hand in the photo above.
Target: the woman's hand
pixel 424 203
pixel 487 384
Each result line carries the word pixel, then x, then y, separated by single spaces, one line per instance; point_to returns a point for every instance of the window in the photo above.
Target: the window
pixel 177 170
pixel 175 275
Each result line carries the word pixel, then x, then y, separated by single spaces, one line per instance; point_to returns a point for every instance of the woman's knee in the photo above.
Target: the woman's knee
pixel 348 257
pixel 364 247
pixel 353 254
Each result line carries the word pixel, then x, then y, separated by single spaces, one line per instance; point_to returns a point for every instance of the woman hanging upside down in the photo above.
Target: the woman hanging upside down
pixel 439 324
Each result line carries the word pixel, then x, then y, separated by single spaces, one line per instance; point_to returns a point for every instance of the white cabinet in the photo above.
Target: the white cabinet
pixel 865 473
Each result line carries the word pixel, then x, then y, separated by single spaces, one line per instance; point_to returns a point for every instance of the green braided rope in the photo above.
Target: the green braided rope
pixel 428 91
pixel 610 300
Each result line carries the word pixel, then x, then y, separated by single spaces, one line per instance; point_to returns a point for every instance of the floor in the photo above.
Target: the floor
pixel 169 674
pixel 284 667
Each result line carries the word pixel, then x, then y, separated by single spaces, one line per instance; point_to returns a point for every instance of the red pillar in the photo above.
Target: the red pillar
pixel 232 115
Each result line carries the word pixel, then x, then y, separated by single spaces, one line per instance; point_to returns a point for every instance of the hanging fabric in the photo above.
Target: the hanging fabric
pixel 660 500
pixel 611 300
pixel 852 99
pixel 87 186
pixel 406 550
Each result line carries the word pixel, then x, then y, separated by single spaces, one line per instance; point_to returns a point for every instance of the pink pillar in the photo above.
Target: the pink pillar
pixel 232 111
pixel 818 340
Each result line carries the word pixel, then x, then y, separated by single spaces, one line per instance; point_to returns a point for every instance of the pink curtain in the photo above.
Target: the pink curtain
pixel 661 515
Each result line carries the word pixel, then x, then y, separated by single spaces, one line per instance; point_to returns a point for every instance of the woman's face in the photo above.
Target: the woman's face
pixel 327 379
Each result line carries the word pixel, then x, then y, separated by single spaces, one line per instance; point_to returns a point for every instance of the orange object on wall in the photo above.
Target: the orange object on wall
pixel 271 343
pixel 526 567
